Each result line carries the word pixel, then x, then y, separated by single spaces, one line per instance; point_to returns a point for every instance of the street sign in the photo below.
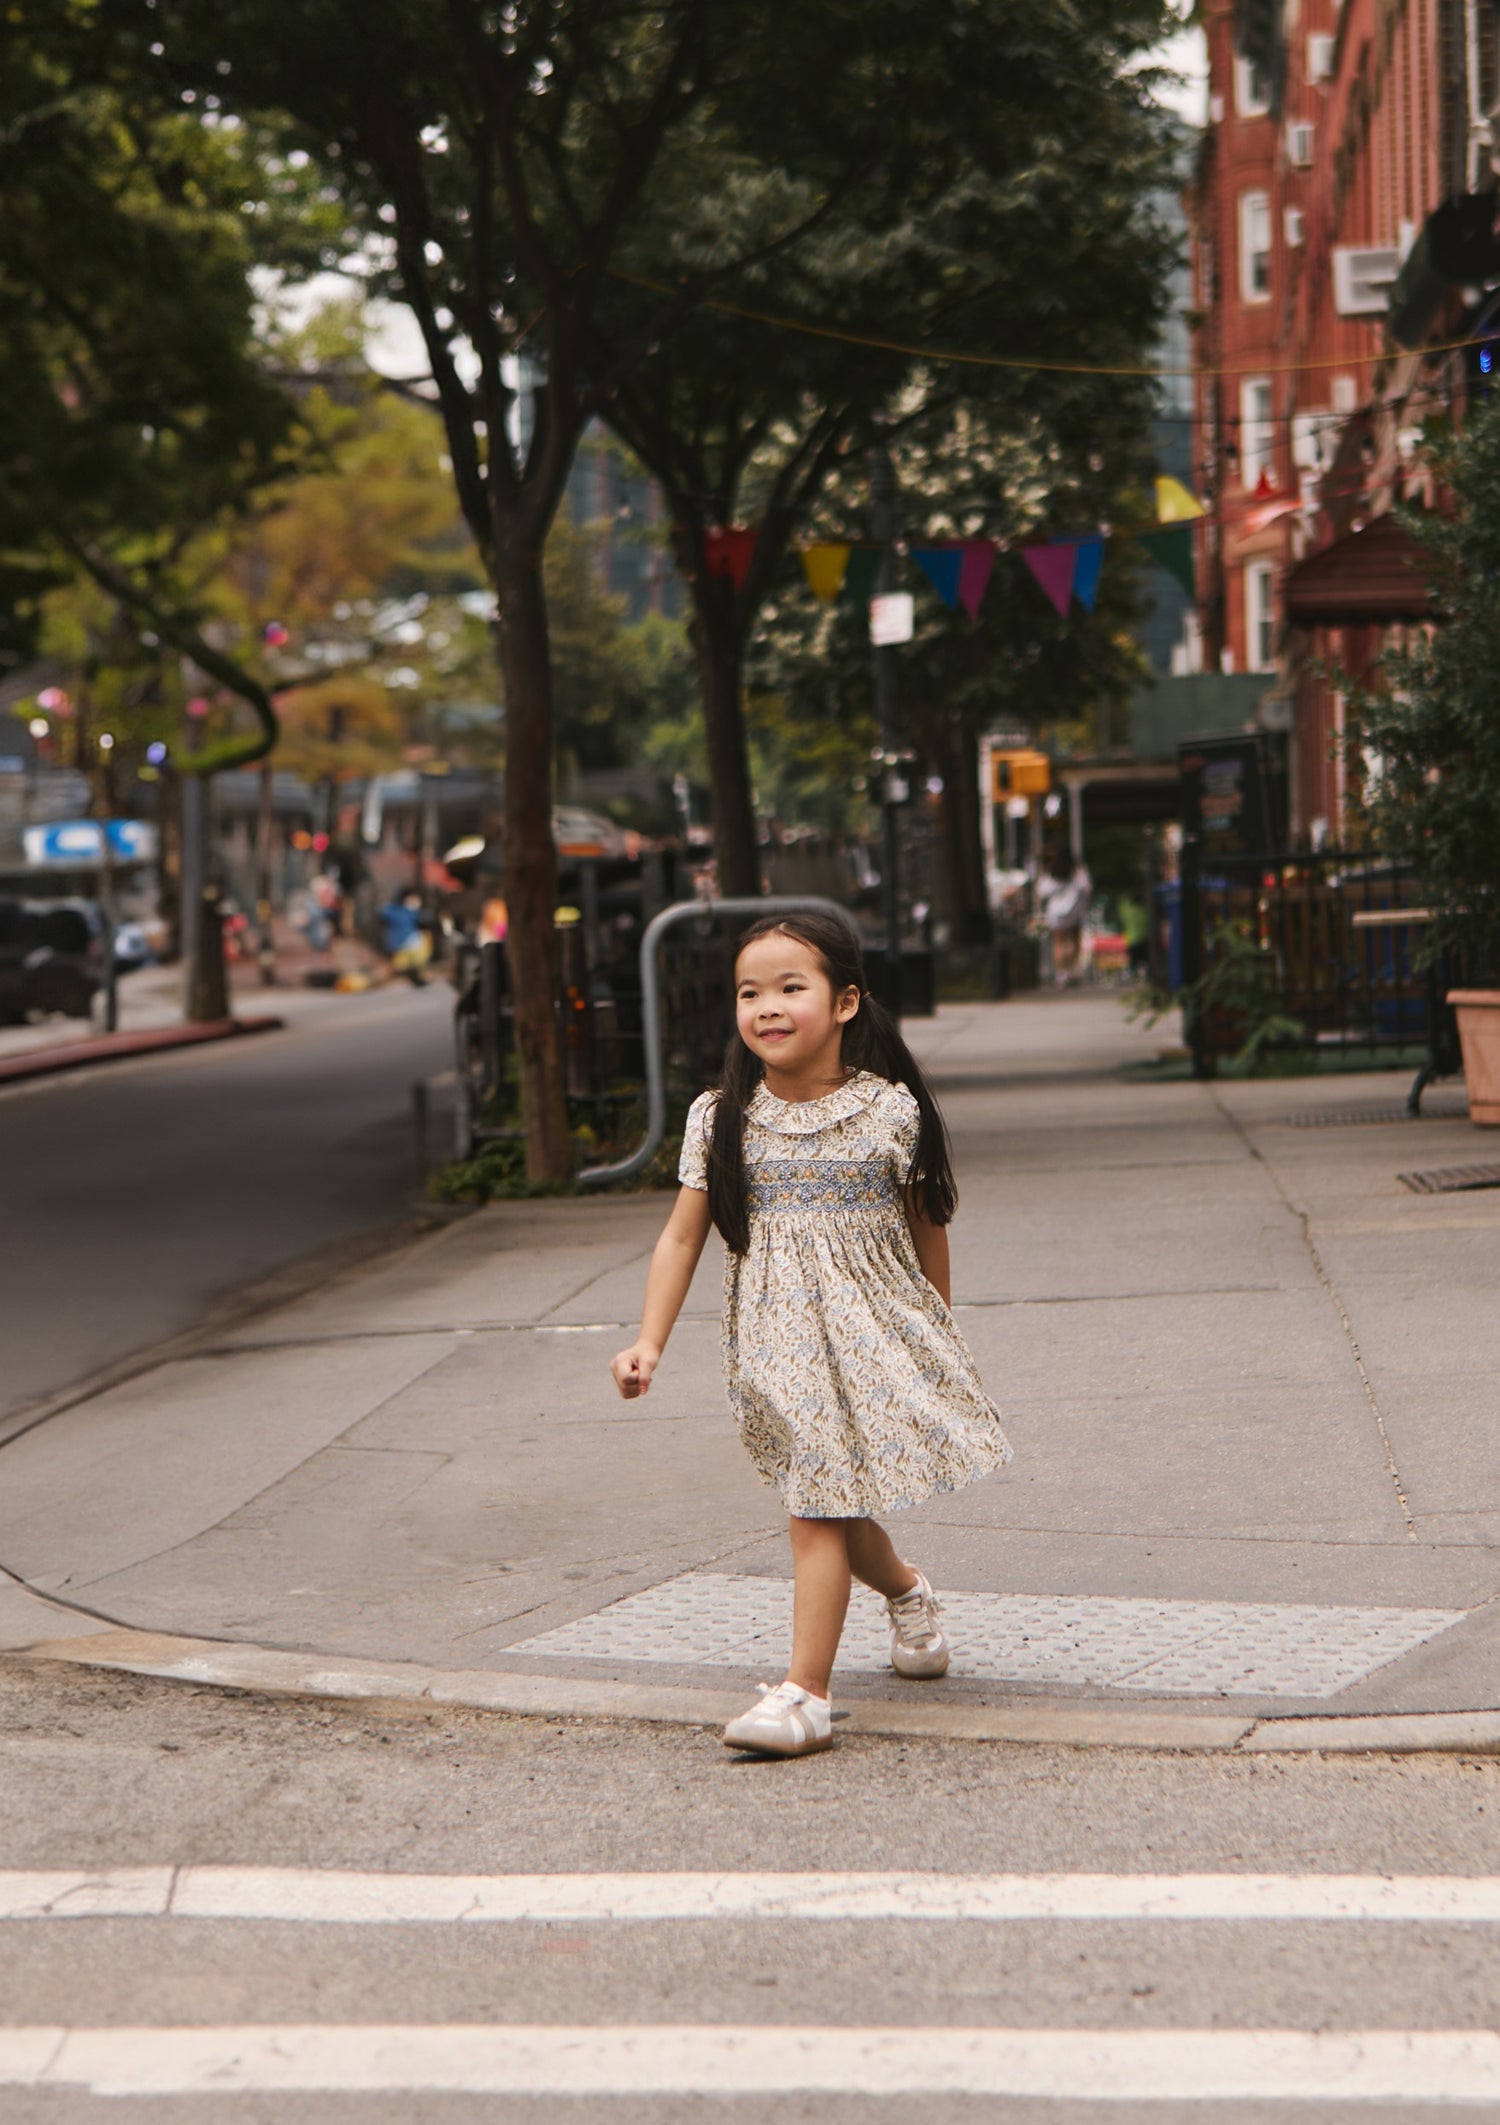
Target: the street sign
pixel 892 619
pixel 66 842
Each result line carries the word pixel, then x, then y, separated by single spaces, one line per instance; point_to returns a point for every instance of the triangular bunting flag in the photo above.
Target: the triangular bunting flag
pixel 729 553
pixel 1172 549
pixel 824 568
pixel 974 575
pixel 859 576
pixel 1086 571
pixel 1174 503
pixel 942 566
pixel 1053 568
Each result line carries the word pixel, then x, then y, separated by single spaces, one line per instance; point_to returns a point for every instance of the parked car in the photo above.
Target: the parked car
pixel 51 958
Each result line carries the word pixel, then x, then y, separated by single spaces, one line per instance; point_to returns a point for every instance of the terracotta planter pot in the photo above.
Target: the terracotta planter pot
pixel 1479 1032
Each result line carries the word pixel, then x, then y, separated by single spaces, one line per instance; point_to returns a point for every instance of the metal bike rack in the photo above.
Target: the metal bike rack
pixel 656 1078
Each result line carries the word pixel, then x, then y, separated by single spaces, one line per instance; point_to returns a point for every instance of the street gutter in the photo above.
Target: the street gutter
pixel 274 1671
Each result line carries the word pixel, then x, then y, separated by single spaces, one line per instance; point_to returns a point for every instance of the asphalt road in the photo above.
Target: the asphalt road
pixel 114 1772
pixel 135 1195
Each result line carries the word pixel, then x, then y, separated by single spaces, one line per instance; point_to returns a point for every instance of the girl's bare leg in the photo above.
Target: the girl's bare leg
pixel 820 1561
pixel 873 1559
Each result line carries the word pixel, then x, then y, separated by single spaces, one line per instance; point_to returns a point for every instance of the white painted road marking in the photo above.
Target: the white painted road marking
pixel 319 1896
pixel 1457 2066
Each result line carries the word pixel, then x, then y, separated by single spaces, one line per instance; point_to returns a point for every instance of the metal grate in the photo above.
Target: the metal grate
pixel 1164 1648
pixel 1434 1110
pixel 1451 1180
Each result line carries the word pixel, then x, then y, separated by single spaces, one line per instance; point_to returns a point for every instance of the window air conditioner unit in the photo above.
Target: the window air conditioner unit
pixel 1362 279
pixel 1299 145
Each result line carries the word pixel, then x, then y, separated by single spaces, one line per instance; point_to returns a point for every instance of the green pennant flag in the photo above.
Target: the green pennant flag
pixel 859 576
pixel 1172 548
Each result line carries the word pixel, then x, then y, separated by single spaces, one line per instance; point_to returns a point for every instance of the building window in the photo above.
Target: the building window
pixel 1255 246
pixel 1252 88
pixel 1257 429
pixel 1260 616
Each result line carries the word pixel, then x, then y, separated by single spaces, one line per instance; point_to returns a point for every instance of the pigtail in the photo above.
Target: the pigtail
pixel 872 1041
pixel 728 1199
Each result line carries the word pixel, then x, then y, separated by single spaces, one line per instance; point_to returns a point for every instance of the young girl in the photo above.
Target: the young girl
pixel 823 1161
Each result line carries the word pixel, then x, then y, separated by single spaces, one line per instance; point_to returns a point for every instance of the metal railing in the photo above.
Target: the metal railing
pixel 1341 931
pixel 660 927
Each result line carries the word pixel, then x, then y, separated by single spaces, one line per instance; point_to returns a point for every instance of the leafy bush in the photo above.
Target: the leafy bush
pixel 1430 732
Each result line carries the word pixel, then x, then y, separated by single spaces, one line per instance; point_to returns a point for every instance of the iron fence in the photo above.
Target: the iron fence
pixel 1340 934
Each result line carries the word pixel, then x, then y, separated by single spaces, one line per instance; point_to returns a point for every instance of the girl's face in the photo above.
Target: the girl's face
pixel 786 1008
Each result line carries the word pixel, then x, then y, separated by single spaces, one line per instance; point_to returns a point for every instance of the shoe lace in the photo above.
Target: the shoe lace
pixel 914 1616
pixel 773 1695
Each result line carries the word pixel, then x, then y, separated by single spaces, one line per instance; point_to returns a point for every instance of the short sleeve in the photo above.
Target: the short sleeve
pixel 692 1167
pixel 902 1118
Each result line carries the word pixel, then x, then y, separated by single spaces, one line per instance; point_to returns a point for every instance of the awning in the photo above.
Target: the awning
pixel 1377 577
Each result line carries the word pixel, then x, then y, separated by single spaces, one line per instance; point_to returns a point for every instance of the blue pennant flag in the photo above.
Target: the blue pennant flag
pixel 1086 572
pixel 942 566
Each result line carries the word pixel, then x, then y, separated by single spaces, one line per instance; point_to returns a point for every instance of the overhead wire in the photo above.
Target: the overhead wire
pixel 919 352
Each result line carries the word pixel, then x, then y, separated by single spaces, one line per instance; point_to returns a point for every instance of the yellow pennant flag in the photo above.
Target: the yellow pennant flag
pixel 824 568
pixel 1174 504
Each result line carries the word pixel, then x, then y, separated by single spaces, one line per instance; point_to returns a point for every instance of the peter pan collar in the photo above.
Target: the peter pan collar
pixel 804 1117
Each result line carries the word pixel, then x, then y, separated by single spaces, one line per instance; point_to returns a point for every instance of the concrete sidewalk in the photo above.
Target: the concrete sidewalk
pixel 1250 1379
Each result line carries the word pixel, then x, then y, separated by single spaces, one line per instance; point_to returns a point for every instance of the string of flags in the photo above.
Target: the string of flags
pixel 1065 570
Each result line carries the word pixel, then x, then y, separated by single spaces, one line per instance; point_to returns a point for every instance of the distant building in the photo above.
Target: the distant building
pixel 609 496
pixel 1343 214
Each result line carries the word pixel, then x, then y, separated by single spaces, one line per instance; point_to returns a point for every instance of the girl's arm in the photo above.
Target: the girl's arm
pixel 931 1243
pixel 672 1265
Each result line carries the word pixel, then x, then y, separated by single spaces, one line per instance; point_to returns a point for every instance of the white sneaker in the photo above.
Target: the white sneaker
pixel 918 1648
pixel 788 1721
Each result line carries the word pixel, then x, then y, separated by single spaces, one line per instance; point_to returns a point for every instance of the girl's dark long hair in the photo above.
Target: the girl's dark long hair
pixel 872 1041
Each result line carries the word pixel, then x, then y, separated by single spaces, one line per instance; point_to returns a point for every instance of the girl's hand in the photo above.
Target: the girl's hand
pixel 633 1368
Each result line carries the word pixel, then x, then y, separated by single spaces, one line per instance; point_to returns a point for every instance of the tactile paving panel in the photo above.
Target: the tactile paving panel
pixel 1451 1180
pixel 1166 1648
pixel 1435 1108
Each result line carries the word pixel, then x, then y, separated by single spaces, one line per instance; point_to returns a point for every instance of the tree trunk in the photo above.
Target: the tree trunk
pixel 531 860
pixel 720 677
pixel 963 798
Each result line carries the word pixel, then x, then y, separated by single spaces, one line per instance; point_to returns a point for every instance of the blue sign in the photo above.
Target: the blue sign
pixel 81 841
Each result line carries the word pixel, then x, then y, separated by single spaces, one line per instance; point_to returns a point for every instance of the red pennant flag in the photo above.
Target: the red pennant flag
pixel 974 576
pixel 729 553
pixel 1053 568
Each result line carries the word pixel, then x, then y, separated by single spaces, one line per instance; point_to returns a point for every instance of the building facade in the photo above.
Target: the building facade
pixel 1342 213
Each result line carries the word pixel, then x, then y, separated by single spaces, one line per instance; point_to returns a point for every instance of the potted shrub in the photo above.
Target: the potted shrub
pixel 1430 745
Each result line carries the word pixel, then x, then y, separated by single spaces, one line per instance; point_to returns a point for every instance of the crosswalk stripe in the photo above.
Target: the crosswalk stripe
pixel 1107 2065
pixel 330 1896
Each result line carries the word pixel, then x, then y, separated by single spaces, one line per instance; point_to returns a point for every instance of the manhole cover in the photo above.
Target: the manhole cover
pixel 1433 1110
pixel 1451 1180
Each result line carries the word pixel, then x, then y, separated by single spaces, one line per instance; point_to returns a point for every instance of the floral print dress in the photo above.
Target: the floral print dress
pixel 853 1390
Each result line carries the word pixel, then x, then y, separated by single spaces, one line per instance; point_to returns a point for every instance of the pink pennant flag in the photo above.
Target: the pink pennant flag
pixel 1053 568
pixel 974 576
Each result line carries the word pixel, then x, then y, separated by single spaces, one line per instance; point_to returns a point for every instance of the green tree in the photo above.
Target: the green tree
pixel 1011 467
pixel 1427 742
pixel 502 157
pixel 1009 212
pixel 133 415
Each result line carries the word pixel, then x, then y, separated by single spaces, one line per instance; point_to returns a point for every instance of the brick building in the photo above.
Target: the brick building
pixel 1343 214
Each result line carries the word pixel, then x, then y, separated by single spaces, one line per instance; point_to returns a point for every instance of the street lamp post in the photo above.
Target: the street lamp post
pixel 883 526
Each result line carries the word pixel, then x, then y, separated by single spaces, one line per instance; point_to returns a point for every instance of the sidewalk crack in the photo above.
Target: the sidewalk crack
pixel 1392 1467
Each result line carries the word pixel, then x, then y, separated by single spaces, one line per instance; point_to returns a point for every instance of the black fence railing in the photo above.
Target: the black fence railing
pixel 1341 932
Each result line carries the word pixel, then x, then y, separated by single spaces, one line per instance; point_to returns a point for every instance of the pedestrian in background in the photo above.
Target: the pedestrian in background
pixel 1066 891
pixel 823 1161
